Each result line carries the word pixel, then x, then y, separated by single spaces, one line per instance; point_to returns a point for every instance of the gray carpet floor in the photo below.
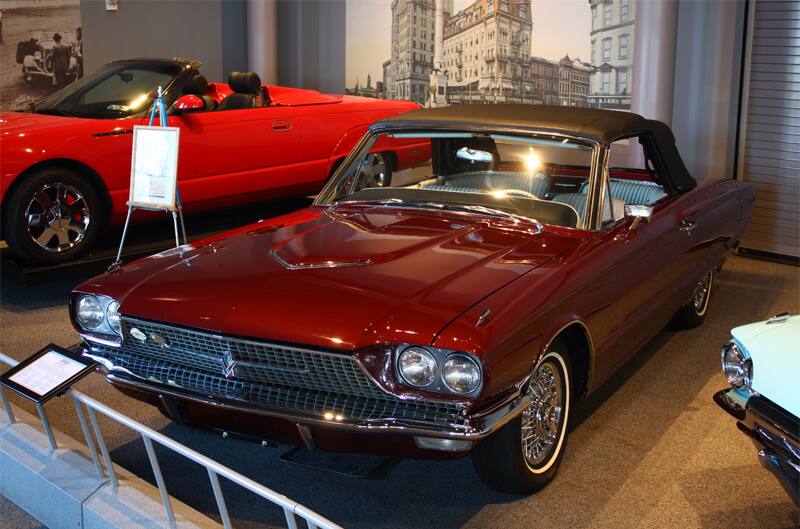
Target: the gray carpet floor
pixel 651 449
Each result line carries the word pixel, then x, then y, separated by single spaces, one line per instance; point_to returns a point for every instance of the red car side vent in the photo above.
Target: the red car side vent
pixel 113 133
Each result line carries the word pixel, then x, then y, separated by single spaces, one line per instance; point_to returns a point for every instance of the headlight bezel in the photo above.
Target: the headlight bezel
pixel 737 366
pixel 456 357
pixel 97 309
pixel 438 383
pixel 421 353
pixel 106 330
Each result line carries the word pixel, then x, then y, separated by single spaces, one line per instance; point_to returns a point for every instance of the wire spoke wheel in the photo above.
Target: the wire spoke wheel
pixel 700 295
pixel 57 217
pixel 542 420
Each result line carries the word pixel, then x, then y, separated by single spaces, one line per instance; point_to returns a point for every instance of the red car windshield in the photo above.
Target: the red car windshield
pixel 115 91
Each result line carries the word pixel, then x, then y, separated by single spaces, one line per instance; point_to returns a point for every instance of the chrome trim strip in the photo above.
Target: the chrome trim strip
pixel 590 375
pixel 480 425
pixel 98 338
pixel 328 264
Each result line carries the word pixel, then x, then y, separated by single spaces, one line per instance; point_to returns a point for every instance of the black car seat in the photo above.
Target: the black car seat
pixel 198 86
pixel 247 92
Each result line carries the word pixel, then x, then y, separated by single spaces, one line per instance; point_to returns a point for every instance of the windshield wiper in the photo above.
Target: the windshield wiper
pixel 483 210
pixel 55 112
pixel 382 202
pixel 493 212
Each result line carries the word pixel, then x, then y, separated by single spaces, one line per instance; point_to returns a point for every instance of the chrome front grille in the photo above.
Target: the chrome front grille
pixel 255 361
pixel 289 378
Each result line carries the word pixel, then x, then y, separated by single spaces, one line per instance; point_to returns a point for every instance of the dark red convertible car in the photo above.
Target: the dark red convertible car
pixel 65 165
pixel 462 308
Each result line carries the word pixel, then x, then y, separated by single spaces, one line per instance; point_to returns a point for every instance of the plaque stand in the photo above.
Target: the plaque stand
pixel 158 108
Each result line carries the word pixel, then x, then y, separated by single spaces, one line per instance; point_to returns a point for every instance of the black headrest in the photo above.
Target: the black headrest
pixel 197 85
pixel 244 82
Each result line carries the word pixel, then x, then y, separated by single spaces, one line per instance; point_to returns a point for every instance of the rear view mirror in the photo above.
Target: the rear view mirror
pixel 473 155
pixel 639 213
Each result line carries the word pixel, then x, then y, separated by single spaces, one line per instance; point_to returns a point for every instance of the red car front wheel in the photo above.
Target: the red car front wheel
pixel 53 216
pixel 523 456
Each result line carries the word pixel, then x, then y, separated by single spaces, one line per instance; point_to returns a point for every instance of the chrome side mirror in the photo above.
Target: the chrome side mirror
pixel 638 213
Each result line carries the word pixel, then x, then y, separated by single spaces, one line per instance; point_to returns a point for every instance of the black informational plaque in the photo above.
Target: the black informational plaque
pixel 46 374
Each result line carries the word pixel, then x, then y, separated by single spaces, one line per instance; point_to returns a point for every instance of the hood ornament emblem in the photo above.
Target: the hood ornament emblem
pixel 324 264
pixel 160 340
pixel 483 317
pixel 778 318
pixel 139 335
pixel 228 364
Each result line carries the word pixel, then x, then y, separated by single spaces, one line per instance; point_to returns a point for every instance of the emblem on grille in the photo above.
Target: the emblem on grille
pixel 160 340
pixel 229 364
pixel 139 335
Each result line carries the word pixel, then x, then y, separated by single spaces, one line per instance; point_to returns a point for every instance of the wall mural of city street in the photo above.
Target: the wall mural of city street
pixel 441 52
pixel 41 49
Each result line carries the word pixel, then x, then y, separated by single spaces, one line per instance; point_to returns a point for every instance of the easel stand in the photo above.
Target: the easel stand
pixel 158 108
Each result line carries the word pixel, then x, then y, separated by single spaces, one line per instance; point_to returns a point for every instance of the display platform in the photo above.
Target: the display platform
pixel 145 239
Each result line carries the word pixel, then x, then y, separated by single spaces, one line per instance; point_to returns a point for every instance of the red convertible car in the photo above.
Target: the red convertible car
pixel 65 165
pixel 462 308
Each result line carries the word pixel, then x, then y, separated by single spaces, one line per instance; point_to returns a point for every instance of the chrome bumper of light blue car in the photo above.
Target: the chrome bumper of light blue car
pixel 774 431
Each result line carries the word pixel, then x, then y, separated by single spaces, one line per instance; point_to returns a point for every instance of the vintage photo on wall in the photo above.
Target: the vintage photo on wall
pixel 41 49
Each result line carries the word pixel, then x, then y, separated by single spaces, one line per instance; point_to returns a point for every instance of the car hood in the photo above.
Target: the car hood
pixel 341 279
pixel 14 123
pixel 775 354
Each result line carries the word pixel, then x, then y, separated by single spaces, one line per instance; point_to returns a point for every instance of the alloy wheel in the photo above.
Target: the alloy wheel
pixel 57 217
pixel 373 170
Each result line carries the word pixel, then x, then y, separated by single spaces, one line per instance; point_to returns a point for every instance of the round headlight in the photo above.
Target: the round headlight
pixel 89 312
pixel 737 368
pixel 417 366
pixel 461 374
pixel 112 317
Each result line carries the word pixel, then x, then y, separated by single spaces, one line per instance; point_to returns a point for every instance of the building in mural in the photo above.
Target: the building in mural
pixel 407 74
pixel 486 52
pixel 366 90
pixel 544 78
pixel 483 53
pixel 612 38
pixel 573 82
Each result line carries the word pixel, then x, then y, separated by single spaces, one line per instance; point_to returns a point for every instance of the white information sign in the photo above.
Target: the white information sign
pixel 47 372
pixel 154 167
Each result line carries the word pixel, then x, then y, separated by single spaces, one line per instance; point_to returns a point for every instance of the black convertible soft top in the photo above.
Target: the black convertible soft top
pixel 604 126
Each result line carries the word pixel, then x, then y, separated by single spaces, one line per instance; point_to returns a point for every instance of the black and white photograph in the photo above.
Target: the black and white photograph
pixel 41 49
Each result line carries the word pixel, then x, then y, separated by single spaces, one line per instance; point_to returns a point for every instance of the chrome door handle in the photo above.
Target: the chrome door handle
pixel 281 126
pixel 687 225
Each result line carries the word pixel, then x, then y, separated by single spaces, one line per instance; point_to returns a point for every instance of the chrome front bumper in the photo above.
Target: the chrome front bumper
pixel 473 427
pixel 775 433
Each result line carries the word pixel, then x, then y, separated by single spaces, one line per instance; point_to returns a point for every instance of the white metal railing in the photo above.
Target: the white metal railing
pixel 292 510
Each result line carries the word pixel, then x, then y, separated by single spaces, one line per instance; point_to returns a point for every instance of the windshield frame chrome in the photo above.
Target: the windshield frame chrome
pixel 591 220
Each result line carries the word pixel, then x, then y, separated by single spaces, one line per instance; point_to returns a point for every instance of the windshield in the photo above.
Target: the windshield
pixel 538 177
pixel 115 91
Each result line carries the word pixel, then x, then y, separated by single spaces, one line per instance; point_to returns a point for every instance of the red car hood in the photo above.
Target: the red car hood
pixel 340 279
pixel 26 122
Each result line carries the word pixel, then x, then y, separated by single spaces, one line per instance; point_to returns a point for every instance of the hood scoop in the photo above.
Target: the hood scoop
pixel 360 240
pixel 330 263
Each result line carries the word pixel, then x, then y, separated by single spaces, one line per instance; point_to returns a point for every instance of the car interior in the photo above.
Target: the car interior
pixel 246 91
pixel 480 168
pixel 557 182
